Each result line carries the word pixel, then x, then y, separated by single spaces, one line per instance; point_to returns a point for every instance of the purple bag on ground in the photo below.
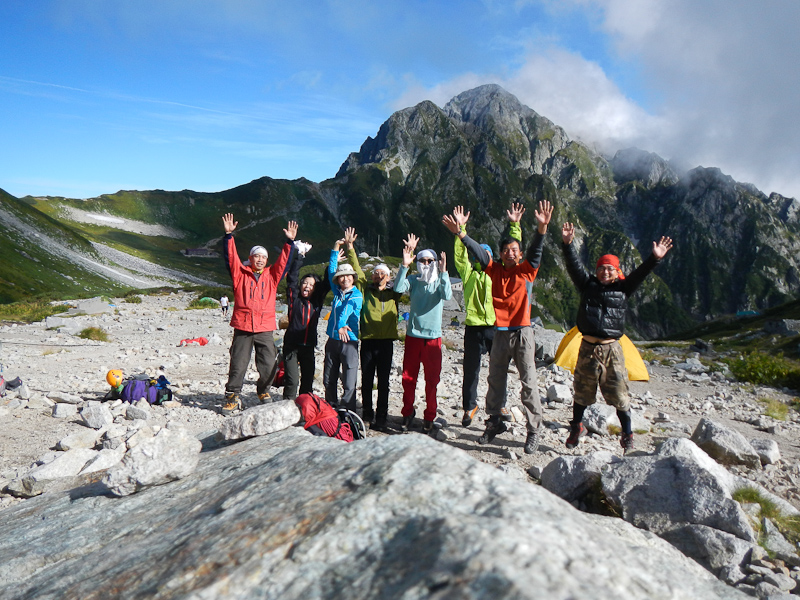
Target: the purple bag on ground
pixel 144 386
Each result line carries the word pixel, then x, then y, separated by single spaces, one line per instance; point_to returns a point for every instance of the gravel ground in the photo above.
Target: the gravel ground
pixel 145 338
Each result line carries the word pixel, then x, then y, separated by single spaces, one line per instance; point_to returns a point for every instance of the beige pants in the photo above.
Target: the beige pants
pixel 603 365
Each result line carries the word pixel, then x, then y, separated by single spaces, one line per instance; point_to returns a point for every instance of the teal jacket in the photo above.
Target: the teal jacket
pixel 427 302
pixel 477 284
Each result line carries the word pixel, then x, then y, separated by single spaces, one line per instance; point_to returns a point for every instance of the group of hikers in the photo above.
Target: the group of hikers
pixel 364 309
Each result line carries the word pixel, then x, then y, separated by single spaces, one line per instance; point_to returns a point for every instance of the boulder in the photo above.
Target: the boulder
pixel 67 464
pixel 260 420
pixel 169 455
pixel 296 516
pixel 572 477
pixel 64 411
pixel 599 416
pixel 559 393
pixel 768 451
pixel 85 438
pixel 96 415
pixel 104 459
pixel 712 548
pixel 725 445
pixel 64 398
pixel 663 492
pixel 138 410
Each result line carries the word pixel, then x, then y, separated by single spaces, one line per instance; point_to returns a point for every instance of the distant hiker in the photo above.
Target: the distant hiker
pixel 423 345
pixel 378 333
pixel 223 303
pixel 341 349
pixel 253 320
pixel 514 335
pixel 305 299
pixel 479 329
pixel 601 321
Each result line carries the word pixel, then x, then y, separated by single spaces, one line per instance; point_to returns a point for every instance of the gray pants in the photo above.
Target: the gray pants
pixel 341 359
pixel 520 346
pixel 241 350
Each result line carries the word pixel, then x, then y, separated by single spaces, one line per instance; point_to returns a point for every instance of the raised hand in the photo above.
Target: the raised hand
pixel 408 255
pixel 451 224
pixel 411 242
pixel 291 230
pixel 543 215
pixel 338 244
pixel 228 223
pixel 350 236
pixel 516 212
pixel 442 263
pixel 567 233
pixel 460 216
pixel 663 246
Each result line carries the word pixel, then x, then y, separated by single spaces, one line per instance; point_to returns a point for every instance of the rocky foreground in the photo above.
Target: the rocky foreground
pixel 284 514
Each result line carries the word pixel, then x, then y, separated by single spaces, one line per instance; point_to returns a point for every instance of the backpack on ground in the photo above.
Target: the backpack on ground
pixel 155 391
pixel 324 420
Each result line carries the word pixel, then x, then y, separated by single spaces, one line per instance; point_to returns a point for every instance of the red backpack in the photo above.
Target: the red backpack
pixel 321 418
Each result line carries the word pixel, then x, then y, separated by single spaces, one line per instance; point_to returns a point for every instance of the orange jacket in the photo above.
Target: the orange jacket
pixel 254 300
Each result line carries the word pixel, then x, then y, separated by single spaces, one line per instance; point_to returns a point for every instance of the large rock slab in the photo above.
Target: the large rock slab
pixel 725 445
pixel 295 516
pixel 167 456
pixel 260 420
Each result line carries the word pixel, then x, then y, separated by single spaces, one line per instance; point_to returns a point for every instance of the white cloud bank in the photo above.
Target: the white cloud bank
pixel 723 72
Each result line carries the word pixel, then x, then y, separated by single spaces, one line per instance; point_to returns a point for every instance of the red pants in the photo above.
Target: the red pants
pixel 427 353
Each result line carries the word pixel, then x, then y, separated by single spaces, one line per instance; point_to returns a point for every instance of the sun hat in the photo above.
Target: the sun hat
pixel 344 269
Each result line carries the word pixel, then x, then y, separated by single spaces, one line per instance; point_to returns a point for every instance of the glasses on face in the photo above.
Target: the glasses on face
pixel 425 261
pixel 606 269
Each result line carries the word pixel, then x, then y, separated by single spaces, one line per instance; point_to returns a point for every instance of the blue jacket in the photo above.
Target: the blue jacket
pixel 346 307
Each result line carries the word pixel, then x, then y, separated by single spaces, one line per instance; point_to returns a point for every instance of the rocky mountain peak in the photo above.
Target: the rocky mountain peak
pixel 632 164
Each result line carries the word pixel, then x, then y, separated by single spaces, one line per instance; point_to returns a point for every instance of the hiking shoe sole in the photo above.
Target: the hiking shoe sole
pixel 506 415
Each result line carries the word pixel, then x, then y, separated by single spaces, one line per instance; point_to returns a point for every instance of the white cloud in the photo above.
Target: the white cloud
pixel 723 72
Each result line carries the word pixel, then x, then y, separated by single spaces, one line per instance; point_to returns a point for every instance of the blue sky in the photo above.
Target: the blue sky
pixel 102 95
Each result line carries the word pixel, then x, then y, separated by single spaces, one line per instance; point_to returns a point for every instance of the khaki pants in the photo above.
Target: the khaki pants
pixel 603 365
pixel 520 346
pixel 241 350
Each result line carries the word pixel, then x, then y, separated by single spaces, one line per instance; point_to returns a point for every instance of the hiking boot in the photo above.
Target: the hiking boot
pixel 264 398
pixel 506 415
pixel 576 432
pixel 232 403
pixel 493 426
pixel 532 442
pixel 427 427
pixel 466 420
pixel 626 441
pixel 407 421
pixel 368 416
pixel 379 424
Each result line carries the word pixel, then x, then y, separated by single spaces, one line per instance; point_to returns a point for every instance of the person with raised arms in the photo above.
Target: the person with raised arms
pixel 253 320
pixel 513 338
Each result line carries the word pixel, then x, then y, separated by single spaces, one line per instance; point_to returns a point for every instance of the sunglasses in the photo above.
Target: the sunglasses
pixel 425 261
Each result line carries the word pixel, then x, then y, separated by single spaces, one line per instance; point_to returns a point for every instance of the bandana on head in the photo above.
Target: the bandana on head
pixel 382 267
pixel 256 250
pixel 427 273
pixel 611 260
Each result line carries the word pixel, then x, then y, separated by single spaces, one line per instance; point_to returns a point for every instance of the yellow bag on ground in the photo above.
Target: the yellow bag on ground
pixel 567 355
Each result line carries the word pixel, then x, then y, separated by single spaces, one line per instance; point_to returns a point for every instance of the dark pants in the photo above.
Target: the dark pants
pixel 298 364
pixel 477 342
pixel 376 355
pixel 341 359
pixel 241 350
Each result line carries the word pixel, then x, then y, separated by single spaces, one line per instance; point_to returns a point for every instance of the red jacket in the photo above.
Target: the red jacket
pixel 254 300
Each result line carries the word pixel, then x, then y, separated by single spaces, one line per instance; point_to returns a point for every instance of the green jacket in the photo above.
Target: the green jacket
pixel 477 284
pixel 379 310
